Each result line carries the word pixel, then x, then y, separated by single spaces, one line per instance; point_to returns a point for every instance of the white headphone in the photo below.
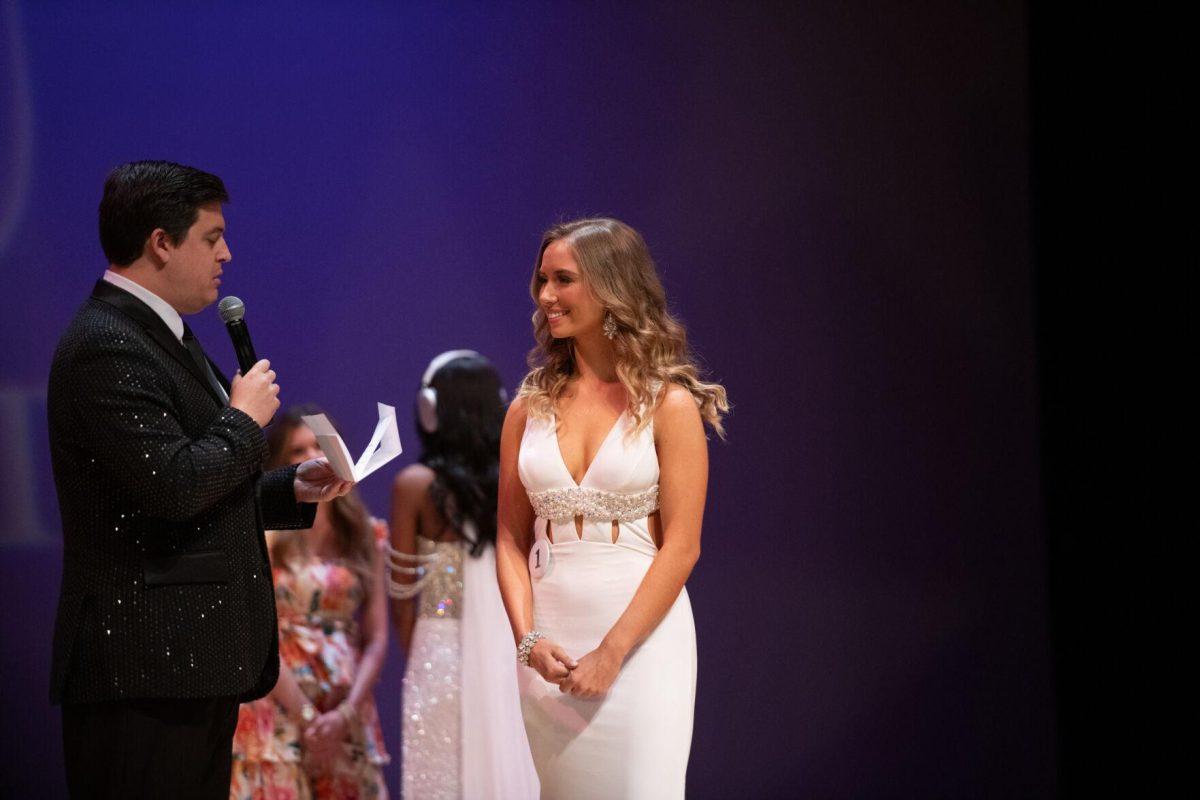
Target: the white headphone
pixel 427 397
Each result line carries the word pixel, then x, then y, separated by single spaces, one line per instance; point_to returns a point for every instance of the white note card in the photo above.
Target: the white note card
pixel 384 446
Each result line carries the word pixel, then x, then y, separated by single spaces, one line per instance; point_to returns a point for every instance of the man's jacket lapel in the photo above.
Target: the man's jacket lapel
pixel 153 324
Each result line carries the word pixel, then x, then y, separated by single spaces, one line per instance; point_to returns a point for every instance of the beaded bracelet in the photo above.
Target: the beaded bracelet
pixel 526 646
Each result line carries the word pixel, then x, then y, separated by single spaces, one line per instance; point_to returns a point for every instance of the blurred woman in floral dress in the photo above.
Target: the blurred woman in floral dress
pixel 317 734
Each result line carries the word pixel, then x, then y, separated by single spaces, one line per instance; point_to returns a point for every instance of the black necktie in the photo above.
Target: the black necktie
pixel 197 353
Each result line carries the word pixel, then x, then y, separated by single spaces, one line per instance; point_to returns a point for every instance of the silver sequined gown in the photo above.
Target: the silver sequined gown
pixel 462 730
pixel 634 742
pixel 432 684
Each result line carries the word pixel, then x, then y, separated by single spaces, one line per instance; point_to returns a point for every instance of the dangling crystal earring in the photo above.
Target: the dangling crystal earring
pixel 610 325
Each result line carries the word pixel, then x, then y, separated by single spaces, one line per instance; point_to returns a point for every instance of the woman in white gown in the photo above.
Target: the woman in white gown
pixel 462 735
pixel 603 473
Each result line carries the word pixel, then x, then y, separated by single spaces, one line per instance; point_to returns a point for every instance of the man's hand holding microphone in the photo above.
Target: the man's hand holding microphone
pixel 255 393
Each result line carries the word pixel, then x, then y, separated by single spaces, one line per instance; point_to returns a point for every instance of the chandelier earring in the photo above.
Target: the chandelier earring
pixel 610 325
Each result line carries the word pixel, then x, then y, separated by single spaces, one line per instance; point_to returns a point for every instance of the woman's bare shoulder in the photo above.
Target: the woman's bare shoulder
pixel 677 402
pixel 677 414
pixel 414 479
pixel 518 409
pixel 515 418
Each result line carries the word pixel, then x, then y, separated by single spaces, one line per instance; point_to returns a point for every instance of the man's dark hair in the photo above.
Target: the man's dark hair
pixel 143 195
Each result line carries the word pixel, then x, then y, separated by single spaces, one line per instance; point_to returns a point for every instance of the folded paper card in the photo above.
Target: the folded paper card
pixel 384 446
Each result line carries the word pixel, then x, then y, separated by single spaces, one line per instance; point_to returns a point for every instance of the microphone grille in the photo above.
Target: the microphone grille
pixel 231 309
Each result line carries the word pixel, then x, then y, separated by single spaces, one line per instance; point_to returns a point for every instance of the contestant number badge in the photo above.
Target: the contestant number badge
pixel 540 559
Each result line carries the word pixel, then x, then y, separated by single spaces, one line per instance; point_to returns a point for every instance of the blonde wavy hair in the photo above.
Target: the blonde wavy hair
pixel 651 345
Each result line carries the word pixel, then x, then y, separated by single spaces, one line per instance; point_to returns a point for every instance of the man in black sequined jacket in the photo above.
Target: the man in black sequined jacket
pixel 166 619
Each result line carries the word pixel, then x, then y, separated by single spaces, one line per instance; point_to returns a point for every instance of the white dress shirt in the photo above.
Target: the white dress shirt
pixel 156 303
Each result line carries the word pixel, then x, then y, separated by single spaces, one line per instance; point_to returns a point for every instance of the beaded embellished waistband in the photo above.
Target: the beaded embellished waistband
pixel 594 504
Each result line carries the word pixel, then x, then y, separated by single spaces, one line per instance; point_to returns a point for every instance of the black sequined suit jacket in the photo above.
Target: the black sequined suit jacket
pixel 166 589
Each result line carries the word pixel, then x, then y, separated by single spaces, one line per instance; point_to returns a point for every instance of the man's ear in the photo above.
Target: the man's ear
pixel 159 247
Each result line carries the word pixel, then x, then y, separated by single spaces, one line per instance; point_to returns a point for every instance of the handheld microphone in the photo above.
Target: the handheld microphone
pixel 232 311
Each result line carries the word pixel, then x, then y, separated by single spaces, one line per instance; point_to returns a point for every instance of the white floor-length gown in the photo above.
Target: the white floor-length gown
pixel 633 742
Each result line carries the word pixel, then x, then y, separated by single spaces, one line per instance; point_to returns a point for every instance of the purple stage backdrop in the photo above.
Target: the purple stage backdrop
pixel 837 198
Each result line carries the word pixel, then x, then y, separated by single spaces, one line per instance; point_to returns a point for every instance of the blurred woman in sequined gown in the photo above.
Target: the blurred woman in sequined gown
pixel 317 733
pixel 603 475
pixel 462 733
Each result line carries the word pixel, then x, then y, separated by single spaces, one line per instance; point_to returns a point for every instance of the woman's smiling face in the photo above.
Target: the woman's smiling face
pixel 570 307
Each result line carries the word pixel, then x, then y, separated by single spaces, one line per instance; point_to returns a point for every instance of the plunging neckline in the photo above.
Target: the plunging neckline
pixel 599 450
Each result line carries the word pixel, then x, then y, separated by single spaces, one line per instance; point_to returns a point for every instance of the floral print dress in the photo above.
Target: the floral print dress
pixel 319 643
